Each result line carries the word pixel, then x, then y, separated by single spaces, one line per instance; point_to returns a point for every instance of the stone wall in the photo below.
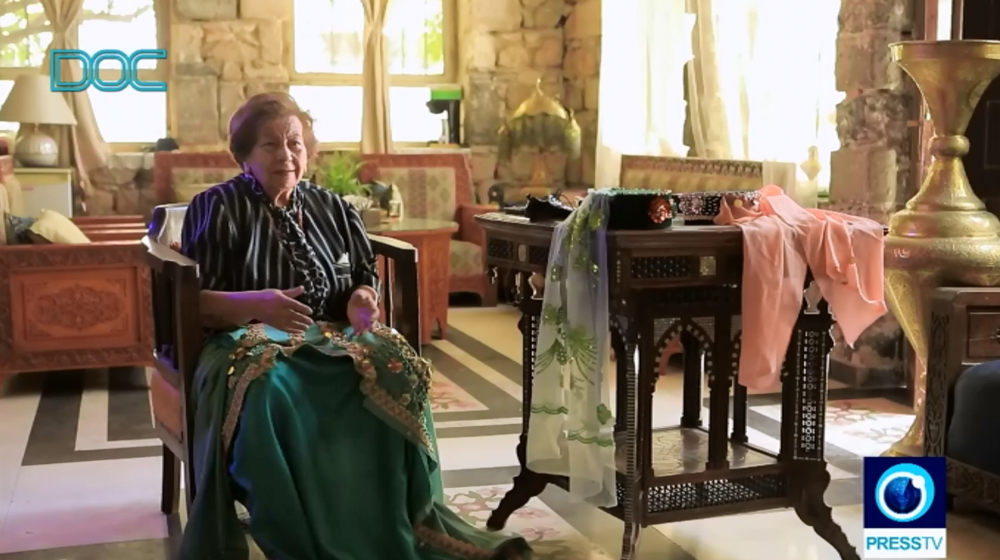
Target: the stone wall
pixel 506 47
pixel 870 172
pixel 581 70
pixel 223 51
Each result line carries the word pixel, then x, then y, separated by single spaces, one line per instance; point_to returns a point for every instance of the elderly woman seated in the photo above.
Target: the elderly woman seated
pixel 308 411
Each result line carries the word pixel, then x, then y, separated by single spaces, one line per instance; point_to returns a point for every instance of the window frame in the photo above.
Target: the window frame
pixel 161 11
pixel 449 26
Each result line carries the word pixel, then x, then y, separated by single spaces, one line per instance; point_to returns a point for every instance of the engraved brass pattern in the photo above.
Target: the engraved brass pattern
pixel 944 236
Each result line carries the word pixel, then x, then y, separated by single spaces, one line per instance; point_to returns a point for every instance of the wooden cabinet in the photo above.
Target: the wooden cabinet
pixel 46 188
pixel 964 331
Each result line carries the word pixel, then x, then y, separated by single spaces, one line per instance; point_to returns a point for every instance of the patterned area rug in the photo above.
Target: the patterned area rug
pixel 447 396
pixel 866 427
pixel 550 536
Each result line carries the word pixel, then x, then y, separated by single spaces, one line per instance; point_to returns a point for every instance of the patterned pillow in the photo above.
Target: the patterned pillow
pixel 18 229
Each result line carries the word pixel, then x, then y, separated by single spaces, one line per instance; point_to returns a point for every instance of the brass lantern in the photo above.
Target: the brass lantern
pixel 542 124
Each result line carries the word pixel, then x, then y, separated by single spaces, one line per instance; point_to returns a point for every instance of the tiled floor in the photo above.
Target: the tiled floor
pixel 80 466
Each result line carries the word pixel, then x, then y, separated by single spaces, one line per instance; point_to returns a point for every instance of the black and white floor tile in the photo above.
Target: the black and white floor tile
pixel 80 465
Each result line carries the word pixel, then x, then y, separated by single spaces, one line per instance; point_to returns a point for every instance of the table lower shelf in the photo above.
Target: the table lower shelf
pixel 683 488
pixel 684 451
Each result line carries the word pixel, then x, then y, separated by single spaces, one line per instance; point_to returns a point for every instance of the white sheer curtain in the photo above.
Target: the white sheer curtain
pixel 644 46
pixel 763 83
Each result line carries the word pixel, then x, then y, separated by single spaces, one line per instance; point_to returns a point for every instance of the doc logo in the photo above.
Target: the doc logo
pixel 905 507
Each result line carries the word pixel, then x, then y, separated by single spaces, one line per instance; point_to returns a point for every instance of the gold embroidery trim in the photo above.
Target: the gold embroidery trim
pixel 369 386
pixel 261 365
pixel 452 546
pixel 256 334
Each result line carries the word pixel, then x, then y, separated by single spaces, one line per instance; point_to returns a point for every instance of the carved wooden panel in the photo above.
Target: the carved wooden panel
pixel 74 307
pixel 59 311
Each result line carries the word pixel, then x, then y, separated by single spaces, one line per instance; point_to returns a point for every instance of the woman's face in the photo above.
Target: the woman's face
pixel 278 160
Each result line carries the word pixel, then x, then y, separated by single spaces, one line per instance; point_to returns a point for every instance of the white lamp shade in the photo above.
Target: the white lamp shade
pixel 32 101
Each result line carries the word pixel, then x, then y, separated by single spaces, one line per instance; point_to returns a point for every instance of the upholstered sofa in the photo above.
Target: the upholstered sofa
pixel 72 306
pixel 433 186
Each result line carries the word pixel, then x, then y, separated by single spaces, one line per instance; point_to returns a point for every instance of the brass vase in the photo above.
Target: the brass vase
pixel 944 236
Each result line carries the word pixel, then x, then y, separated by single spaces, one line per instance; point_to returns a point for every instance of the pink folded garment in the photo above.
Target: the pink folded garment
pixel 782 242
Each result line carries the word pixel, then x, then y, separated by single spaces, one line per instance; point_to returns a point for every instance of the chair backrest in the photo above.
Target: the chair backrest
pixel 177 176
pixel 690 174
pixel 433 186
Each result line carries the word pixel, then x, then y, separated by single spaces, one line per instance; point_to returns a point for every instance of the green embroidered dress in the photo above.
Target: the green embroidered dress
pixel 326 437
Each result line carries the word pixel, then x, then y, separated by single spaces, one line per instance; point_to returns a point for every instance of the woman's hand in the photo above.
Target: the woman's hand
pixel 280 309
pixel 362 309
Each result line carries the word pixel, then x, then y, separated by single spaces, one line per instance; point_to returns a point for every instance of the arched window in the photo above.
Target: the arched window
pixel 327 56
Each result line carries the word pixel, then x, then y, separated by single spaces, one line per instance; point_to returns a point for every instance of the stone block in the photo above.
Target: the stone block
pixel 484 108
pixel 513 55
pixel 584 20
pixel 255 87
pixel 864 177
pixel 185 43
pixel 549 53
pixel 876 118
pixel 495 15
pixel 592 93
pixel 207 10
pixel 863 61
pixel 231 96
pixel 582 61
pixel 194 69
pixel 270 43
pixel 545 15
pixel 861 15
pixel 484 163
pixel 266 9
pixel 230 42
pixel 588 168
pixel 197 116
pixel 260 70
pixel 574 98
pixel 231 71
pixel 482 52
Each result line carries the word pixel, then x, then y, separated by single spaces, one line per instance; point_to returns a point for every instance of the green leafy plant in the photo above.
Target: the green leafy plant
pixel 338 172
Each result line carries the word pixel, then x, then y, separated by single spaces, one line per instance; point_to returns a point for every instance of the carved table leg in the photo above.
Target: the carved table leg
pixel 813 480
pixel 527 484
pixel 804 395
pixel 632 502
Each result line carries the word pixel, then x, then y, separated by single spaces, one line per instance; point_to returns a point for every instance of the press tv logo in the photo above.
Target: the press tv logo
pixel 905 507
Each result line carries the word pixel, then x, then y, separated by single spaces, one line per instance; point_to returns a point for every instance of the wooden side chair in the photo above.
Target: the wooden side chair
pixel 178 340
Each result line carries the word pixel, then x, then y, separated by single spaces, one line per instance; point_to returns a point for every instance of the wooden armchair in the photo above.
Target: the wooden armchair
pixel 178 340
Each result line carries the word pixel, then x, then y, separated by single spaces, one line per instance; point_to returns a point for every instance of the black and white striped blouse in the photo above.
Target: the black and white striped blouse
pixel 228 232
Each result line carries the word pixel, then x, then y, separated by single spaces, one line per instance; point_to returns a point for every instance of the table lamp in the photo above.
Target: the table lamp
pixel 32 102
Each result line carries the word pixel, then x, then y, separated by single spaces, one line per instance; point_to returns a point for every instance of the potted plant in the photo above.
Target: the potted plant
pixel 338 172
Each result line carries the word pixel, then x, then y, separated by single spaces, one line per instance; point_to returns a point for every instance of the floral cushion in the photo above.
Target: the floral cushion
pixel 466 258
